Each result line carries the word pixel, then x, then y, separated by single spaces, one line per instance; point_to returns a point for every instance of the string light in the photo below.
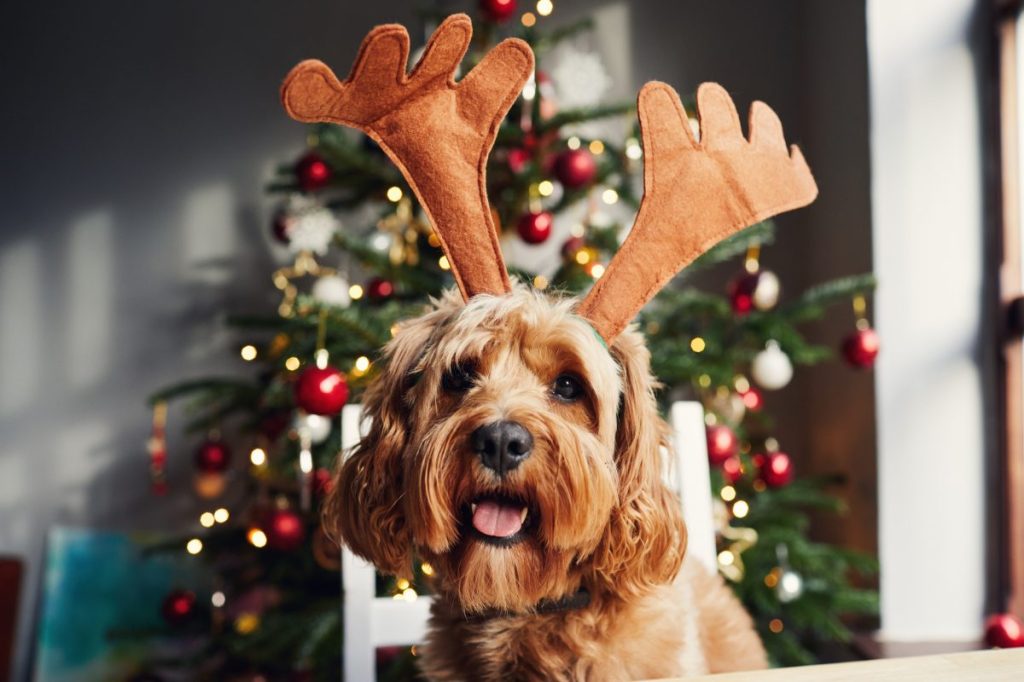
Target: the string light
pixel 443 263
pixel 704 380
pixel 257 538
pixel 402 584
pixel 582 256
pixel 596 271
pixel 427 569
pixel 776 626
pixel 609 196
pixel 540 282
pixel 194 546
pixel 248 352
pixel 697 344
pixel 292 364
pixel 218 599
pixel 772 579
pixel 727 493
pixel 740 509
pixel 545 7
pixel 395 194
pixel 726 558
pixel 545 188
pixel 529 19
pixel 577 230
pixel 206 520
pixel 221 515
pixel 633 149
pixel 355 292
pixel 596 147
pixel 573 142
pixel 258 457
pixel 246 623
pixel 362 363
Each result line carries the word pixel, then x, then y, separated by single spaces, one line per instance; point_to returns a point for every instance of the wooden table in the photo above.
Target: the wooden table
pixel 974 666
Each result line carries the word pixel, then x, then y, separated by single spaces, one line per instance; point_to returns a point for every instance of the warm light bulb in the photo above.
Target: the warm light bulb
pixel 292 364
pixel 697 344
pixel 529 19
pixel 394 194
pixel 362 363
pixel 740 509
pixel 206 520
pixel 609 196
pixel 545 188
pixel 726 558
pixel 221 515
pixel 596 147
pixel 355 292
pixel 443 263
pixel 194 546
pixel 727 493
pixel 257 538
pixel 258 457
pixel 218 599
pixel 248 352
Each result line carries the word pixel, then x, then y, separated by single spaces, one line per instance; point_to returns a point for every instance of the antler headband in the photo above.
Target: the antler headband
pixel 439 134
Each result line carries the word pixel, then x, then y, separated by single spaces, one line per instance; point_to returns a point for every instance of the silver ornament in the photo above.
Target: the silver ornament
pixel 771 368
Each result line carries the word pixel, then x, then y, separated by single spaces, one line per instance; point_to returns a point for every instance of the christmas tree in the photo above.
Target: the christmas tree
pixel 564 181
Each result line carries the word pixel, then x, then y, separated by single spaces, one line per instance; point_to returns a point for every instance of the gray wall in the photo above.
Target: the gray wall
pixel 136 138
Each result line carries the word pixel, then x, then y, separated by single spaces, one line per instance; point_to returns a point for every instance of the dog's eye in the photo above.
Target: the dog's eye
pixel 459 378
pixel 567 387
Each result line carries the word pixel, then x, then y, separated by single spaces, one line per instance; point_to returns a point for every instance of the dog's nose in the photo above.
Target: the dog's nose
pixel 502 445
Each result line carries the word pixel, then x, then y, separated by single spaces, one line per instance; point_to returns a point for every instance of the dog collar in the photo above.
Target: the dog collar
pixel 572 602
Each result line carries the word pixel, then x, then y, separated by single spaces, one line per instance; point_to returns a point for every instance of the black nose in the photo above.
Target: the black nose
pixel 502 446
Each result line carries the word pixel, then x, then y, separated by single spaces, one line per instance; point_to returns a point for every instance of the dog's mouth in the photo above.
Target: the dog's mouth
pixel 499 520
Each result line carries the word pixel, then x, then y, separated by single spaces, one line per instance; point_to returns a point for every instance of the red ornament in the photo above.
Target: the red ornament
pixel 722 444
pixel 535 228
pixel 776 469
pixel 575 168
pixel 213 457
pixel 571 246
pixel 285 530
pixel 323 481
pixel 379 289
pixel 753 399
pixel 321 391
pixel 861 348
pixel 178 606
pixel 312 172
pixel 732 469
pixel 517 159
pixel 741 293
pixel 498 10
pixel 1004 630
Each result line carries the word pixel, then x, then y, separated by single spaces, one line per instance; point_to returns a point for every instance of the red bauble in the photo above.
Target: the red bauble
pixel 213 457
pixel 1004 630
pixel 741 293
pixel 535 228
pixel 776 469
pixel 178 606
pixel 861 348
pixel 379 289
pixel 312 172
pixel 571 246
pixel 517 159
pixel 722 444
pixel 285 530
pixel 732 469
pixel 575 168
pixel 498 10
pixel 752 399
pixel 321 391
pixel 323 481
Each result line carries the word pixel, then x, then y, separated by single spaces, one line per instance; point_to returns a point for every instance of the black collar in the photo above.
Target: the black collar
pixel 571 602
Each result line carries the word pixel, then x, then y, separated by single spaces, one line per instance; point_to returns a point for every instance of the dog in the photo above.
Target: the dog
pixel 520 457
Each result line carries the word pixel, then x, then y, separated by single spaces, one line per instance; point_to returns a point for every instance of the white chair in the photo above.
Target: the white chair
pixel 371 621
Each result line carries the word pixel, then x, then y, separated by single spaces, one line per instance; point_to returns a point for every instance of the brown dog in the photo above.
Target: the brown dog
pixel 521 458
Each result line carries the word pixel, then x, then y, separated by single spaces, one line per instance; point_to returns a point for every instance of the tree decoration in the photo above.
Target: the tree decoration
pixel 752 398
pixel 213 456
pixel 535 227
pixel 789 585
pixel 332 290
pixel 722 444
pixel 576 168
pixel 210 485
pixel 730 560
pixel 754 290
pixel 178 606
pixel 321 390
pixel 404 230
pixel 379 289
pixel 498 10
pixel 771 368
pixel 580 78
pixel 156 446
pixel 285 280
pixel 317 427
pixel 311 229
pixel 861 347
pixel 517 159
pixel 1004 630
pixel 312 172
pixel 775 469
pixel 732 469
pixel 285 530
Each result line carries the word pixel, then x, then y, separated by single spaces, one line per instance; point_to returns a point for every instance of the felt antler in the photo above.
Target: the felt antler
pixel 695 194
pixel 438 132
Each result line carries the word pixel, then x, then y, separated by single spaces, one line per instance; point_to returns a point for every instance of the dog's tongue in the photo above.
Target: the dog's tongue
pixel 497 520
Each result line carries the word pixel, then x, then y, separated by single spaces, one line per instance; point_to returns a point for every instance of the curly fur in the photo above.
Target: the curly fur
pixel 605 520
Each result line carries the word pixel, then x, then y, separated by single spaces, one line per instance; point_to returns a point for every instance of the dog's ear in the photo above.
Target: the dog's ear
pixel 364 508
pixel 646 538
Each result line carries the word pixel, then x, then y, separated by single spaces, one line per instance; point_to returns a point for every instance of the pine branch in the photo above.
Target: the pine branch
pixel 759 234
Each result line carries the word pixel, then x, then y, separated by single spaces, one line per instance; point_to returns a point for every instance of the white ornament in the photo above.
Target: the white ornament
pixel 580 78
pixel 790 586
pixel 317 427
pixel 771 368
pixel 766 293
pixel 312 226
pixel 332 290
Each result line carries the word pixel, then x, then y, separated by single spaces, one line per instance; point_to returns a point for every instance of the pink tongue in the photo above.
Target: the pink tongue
pixel 496 520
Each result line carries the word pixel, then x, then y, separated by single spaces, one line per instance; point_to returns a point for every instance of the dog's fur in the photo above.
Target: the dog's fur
pixel 600 516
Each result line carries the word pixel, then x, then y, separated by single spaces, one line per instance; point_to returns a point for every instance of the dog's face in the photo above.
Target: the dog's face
pixel 514 452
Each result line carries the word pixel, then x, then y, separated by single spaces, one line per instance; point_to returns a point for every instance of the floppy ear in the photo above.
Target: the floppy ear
pixel 364 508
pixel 646 538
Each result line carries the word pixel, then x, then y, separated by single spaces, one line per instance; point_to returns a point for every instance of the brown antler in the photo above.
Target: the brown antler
pixel 438 132
pixel 695 194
